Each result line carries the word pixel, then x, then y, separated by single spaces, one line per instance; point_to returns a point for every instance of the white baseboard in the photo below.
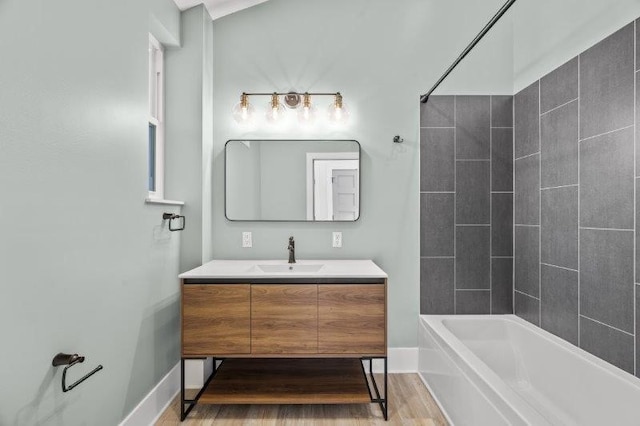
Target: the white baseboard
pixel 196 372
pixel 399 360
pixel 149 410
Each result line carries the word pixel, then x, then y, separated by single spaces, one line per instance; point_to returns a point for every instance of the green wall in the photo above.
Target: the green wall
pixel 488 68
pixel 189 124
pixel 532 39
pixel 547 33
pixel 85 265
pixel 164 22
pixel 381 55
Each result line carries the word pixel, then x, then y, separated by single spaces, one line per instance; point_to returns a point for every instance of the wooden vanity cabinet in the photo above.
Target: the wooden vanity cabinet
pixel 286 342
pixel 216 319
pixel 265 320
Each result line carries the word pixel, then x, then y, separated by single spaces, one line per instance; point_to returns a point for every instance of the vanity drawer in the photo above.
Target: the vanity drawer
pixel 284 319
pixel 351 319
pixel 216 319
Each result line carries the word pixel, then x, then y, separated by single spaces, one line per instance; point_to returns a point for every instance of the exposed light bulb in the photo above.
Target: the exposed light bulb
pixel 275 110
pixel 338 111
pixel 243 111
pixel 306 114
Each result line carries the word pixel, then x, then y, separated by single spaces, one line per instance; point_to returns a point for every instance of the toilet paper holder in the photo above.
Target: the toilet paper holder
pixel 70 360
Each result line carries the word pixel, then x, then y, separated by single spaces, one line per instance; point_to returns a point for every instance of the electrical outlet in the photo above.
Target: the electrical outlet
pixel 247 239
pixel 337 239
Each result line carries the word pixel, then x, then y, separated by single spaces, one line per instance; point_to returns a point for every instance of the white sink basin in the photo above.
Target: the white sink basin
pixel 276 268
pixel 290 268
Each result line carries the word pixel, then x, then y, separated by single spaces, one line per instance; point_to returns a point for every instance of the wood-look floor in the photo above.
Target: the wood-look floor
pixel 410 404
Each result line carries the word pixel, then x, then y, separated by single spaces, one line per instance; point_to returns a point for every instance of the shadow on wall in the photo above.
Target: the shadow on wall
pixel 160 320
pixel 37 412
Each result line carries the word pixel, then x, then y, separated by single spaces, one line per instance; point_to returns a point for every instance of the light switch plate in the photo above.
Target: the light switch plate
pixel 337 239
pixel 247 240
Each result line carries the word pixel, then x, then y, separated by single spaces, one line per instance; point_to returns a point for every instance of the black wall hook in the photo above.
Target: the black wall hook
pixel 170 217
pixel 70 360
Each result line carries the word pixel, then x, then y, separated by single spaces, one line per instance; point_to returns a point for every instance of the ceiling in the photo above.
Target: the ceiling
pixel 218 8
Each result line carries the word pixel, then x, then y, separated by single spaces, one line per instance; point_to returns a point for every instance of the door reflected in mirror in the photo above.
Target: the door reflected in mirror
pixel 334 185
pixel 292 180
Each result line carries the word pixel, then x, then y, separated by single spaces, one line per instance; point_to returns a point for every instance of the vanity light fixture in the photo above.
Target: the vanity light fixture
pixel 243 112
pixel 306 114
pixel 338 111
pixel 275 110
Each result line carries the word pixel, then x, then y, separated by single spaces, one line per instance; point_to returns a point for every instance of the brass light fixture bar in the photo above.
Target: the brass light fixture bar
pixel 293 99
pixel 291 93
pixel 243 112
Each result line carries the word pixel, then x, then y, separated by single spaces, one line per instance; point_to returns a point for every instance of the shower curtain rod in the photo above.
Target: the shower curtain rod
pixel 468 49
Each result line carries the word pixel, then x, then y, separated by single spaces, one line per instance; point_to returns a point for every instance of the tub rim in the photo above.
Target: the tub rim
pixel 449 342
pixel 475 371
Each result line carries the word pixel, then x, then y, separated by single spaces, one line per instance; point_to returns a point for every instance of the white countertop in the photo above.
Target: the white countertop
pixel 250 269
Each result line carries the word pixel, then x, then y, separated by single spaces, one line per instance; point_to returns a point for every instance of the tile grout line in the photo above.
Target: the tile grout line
pixel 455 190
pixel 607 229
pixel 528 155
pixel 524 224
pixel 558 187
pixel 579 191
pixel 437 192
pixel 436 127
pixel 420 192
pixel 490 205
pixel 559 267
pixel 558 107
pixel 474 159
pixel 635 182
pixel 502 192
pixel 605 133
pixel 606 325
pixel 526 294
pixel 473 289
pixel 513 207
pixel 437 257
pixel 473 224
pixel 540 203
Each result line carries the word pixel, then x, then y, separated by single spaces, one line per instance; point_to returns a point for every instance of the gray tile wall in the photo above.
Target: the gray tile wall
pixel 575 201
pixel 466 194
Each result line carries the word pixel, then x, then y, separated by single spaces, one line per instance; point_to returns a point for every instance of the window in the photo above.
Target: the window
pixel 156 120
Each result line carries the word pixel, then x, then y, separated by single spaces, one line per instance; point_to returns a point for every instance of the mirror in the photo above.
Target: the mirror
pixel 292 180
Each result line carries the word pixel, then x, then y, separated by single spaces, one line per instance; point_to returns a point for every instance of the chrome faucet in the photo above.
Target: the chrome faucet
pixel 292 250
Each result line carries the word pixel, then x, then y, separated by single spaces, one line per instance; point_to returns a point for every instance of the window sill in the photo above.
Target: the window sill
pixel 164 202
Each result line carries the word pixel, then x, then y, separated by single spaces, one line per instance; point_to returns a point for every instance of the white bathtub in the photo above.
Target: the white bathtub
pixel 501 370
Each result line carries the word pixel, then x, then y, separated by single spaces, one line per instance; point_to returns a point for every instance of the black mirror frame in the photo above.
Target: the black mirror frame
pixel 302 141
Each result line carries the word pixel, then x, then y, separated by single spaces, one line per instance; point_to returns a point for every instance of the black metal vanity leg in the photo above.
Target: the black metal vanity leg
pixel 378 398
pixel 386 392
pixel 192 402
pixel 183 414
